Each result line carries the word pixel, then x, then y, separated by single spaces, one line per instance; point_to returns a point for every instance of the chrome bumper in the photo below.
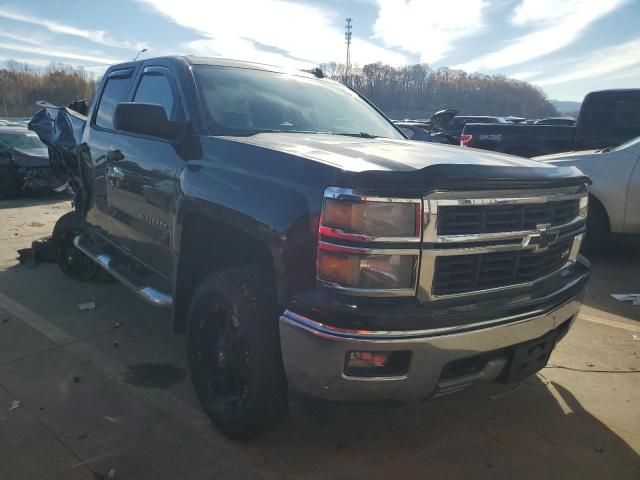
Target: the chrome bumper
pixel 314 356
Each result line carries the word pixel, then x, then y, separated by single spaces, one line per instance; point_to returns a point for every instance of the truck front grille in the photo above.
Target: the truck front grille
pixel 474 219
pixel 476 242
pixel 468 273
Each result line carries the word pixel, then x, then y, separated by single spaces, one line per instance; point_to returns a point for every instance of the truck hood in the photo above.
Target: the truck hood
pixel 382 154
pixel 408 166
pixel 566 156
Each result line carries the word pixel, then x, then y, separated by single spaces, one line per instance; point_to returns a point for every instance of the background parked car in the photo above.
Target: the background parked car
pixel 615 194
pixel 607 118
pixel 24 164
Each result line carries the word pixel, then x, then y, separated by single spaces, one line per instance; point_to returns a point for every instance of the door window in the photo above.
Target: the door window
pixel 113 93
pixel 155 88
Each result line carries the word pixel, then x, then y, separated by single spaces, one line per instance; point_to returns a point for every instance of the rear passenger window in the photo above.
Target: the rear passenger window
pixel 155 88
pixel 114 92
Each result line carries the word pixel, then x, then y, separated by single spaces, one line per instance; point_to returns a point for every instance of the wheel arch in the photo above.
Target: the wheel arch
pixel 207 244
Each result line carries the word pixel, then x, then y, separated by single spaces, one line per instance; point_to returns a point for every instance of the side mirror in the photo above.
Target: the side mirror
pixel 147 119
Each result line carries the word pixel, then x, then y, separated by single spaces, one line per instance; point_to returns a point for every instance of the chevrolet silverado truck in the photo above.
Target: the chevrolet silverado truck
pixel 304 244
pixel 607 118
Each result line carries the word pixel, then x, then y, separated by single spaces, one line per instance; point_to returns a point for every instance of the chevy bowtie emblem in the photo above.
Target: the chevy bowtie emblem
pixel 541 238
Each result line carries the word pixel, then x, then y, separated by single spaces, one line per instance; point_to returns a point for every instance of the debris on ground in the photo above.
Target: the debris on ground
pixel 112 473
pixel 627 297
pixel 41 251
pixel 635 337
pixel 589 364
pixel 76 379
pixel 116 344
pixel 112 419
pixel 117 325
pixel 14 404
pixel 87 306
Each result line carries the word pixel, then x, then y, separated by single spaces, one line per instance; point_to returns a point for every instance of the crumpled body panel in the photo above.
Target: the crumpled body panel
pixel 61 129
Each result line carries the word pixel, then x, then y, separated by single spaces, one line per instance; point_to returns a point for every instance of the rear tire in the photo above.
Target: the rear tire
pixel 9 184
pixel 72 261
pixel 233 350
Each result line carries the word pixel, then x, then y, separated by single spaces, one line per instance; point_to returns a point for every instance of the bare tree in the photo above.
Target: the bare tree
pixel 416 91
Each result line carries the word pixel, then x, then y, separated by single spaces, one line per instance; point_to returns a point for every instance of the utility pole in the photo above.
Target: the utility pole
pixel 347 40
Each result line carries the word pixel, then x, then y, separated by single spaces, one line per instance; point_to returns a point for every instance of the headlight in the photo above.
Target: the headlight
pixel 362 240
pixel 371 219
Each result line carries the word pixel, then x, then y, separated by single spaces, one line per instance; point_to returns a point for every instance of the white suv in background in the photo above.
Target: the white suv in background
pixel 614 199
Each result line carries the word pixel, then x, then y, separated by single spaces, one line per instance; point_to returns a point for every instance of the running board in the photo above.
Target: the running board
pixel 123 274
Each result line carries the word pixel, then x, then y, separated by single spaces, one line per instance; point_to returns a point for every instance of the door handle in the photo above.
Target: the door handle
pixel 115 156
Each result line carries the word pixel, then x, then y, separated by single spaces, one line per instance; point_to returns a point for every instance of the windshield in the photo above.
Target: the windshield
pixel 625 145
pixel 21 140
pixel 241 101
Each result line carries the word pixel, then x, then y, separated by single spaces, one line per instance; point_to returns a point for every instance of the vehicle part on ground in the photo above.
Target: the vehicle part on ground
pixel 233 352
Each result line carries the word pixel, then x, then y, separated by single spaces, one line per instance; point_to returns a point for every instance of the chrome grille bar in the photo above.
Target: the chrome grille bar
pixel 435 245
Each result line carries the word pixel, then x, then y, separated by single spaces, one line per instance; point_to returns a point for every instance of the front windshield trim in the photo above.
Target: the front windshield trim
pixel 215 128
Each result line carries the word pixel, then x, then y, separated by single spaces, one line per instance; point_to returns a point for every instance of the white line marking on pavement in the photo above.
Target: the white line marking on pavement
pixel 102 362
pixel 608 323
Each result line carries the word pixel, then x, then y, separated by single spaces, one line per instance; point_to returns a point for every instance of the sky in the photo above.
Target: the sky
pixel 566 47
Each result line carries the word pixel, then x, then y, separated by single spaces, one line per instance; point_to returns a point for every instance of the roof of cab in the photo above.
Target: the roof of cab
pixel 222 62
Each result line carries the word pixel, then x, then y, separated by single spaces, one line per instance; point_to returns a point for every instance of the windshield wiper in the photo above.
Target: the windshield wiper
pixel 360 134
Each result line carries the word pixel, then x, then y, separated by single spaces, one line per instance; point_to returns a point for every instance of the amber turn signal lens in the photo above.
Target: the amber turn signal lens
pixel 338 268
pixel 357 270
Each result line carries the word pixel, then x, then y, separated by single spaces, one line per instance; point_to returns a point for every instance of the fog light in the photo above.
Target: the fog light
pixel 377 364
pixel 368 359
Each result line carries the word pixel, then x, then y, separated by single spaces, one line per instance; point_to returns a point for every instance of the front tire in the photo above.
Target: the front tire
pixel 233 350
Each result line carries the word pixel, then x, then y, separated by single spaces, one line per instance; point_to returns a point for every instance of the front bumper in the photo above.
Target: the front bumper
pixel 314 355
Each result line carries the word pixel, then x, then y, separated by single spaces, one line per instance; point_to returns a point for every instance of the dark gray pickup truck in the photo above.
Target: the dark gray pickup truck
pixel 303 243
pixel 607 118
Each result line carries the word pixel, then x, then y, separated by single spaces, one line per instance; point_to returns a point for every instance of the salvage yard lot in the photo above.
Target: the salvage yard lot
pixel 107 390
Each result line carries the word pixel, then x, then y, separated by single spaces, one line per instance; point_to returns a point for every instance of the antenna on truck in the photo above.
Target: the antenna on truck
pixel 139 53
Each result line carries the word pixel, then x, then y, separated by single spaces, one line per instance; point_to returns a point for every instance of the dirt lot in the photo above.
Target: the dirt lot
pixel 107 390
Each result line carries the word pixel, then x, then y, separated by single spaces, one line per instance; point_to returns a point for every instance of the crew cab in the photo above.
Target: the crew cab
pixel 305 244
pixel 607 118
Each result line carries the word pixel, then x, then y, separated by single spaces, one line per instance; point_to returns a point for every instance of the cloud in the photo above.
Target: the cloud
pixel 557 25
pixel 605 61
pixel 96 36
pixel 428 29
pixel 276 31
pixel 57 53
pixel 526 74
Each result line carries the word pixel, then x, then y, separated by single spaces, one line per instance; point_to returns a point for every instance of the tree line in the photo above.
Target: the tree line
pixel 417 91
pixel 21 87
pixel 413 91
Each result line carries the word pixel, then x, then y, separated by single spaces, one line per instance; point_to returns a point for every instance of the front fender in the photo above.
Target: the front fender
pixel 270 210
